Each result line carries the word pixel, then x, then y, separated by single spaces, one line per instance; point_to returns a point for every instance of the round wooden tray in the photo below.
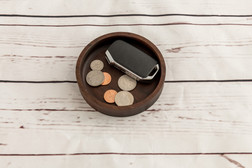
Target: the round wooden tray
pixel 145 94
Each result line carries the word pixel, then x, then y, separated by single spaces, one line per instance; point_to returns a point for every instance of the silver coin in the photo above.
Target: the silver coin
pixel 124 98
pixel 126 83
pixel 95 78
pixel 96 65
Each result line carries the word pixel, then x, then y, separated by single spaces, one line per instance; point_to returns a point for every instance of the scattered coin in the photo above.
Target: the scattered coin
pixel 124 98
pixel 97 65
pixel 109 96
pixel 107 78
pixel 126 83
pixel 95 78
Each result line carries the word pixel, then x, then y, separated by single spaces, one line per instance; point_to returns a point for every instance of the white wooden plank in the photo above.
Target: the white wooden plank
pixel 190 52
pixel 123 21
pixel 200 117
pixel 124 161
pixel 58 7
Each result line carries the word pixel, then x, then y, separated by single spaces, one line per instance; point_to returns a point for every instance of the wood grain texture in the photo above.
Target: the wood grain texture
pixel 125 161
pixel 200 117
pixel 122 20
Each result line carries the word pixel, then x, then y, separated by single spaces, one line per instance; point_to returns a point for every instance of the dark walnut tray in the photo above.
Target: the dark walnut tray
pixel 145 94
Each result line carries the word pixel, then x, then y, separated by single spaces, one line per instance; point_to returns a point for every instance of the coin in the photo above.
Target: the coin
pixel 124 98
pixel 107 78
pixel 126 83
pixel 109 96
pixel 97 65
pixel 95 78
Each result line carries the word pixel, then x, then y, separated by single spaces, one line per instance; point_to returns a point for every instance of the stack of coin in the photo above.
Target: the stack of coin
pixel 96 78
pixel 124 97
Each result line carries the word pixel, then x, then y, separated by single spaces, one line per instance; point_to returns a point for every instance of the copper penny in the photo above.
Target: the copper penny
pixel 109 96
pixel 107 78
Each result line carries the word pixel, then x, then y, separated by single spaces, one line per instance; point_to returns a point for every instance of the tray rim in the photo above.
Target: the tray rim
pixel 142 105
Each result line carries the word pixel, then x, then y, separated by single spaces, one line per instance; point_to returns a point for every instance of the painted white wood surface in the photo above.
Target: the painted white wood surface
pixel 191 125
pixel 200 117
pixel 52 52
pixel 125 161
pixel 77 7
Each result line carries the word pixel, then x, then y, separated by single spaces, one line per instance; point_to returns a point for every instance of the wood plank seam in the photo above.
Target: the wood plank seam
pixel 169 81
pixel 61 81
pixel 116 25
pixel 116 153
pixel 124 15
